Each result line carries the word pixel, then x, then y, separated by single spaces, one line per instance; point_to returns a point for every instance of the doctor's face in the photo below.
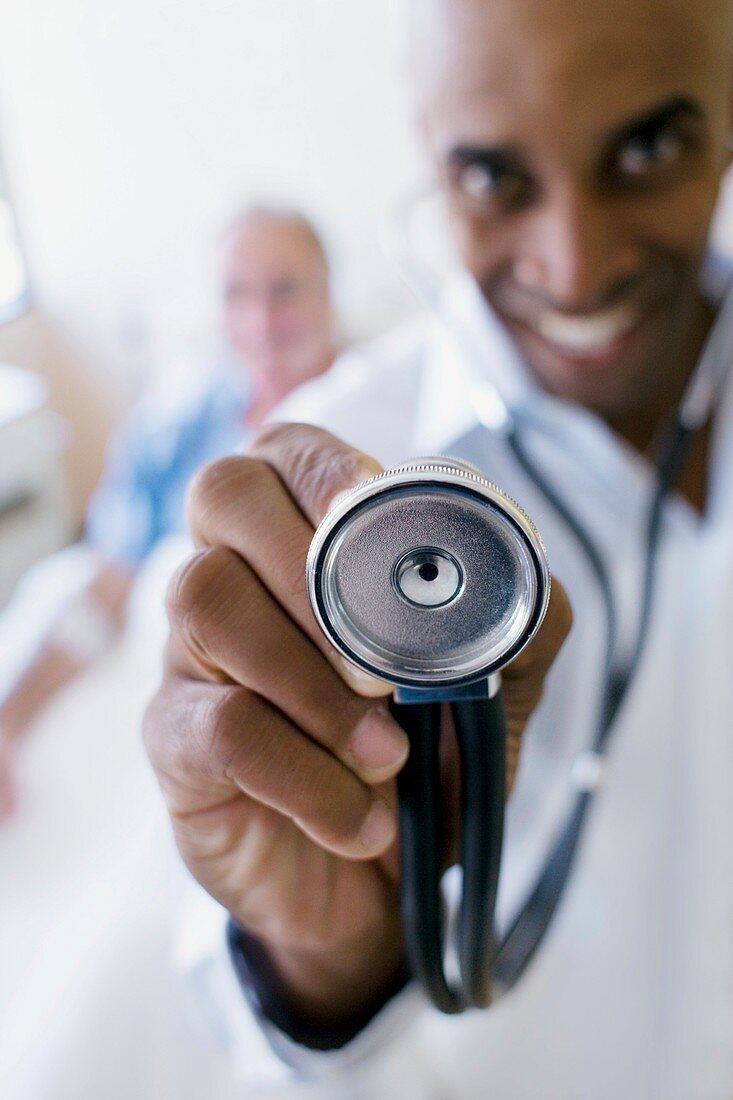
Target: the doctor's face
pixel 581 147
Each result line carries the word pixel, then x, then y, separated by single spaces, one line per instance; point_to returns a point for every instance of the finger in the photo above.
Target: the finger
pixel 214 735
pixel 524 678
pixel 221 606
pixel 242 503
pixel 314 465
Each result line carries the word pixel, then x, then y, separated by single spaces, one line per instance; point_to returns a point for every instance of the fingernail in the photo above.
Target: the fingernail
pixel 361 682
pixel 379 828
pixel 364 468
pixel 378 743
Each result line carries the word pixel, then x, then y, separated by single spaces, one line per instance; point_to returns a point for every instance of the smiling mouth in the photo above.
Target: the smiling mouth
pixel 590 335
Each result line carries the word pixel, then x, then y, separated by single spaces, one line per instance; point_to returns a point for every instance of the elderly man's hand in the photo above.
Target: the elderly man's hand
pixel 276 759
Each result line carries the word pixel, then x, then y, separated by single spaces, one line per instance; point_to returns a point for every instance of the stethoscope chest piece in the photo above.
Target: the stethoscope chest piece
pixel 428 575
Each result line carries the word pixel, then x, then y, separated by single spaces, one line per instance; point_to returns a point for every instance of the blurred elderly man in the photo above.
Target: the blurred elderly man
pixel 279 324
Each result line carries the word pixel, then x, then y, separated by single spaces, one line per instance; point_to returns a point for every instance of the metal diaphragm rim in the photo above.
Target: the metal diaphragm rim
pixel 351 504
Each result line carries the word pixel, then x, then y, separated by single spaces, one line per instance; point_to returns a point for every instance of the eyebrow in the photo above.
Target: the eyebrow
pixel 491 156
pixel 657 118
pixel 676 107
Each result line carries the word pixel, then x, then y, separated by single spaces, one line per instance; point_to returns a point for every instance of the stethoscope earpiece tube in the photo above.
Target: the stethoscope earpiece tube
pixel 481 734
pixel 421 843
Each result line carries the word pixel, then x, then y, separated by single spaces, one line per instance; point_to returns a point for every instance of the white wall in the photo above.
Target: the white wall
pixel 132 129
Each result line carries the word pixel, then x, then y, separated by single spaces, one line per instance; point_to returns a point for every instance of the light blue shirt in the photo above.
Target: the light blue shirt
pixel 151 461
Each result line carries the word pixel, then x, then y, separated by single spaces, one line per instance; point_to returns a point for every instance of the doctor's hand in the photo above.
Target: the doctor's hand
pixel 277 760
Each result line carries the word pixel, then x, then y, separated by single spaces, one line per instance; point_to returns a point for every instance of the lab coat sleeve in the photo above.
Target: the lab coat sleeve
pixel 261 1055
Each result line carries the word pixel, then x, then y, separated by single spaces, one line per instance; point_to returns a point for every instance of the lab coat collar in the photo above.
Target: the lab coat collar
pixel 471 358
pixel 469 345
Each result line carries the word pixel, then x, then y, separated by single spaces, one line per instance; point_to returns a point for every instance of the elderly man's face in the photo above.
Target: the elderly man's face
pixel 277 307
pixel 581 146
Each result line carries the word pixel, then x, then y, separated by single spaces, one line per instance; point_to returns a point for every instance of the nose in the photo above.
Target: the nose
pixel 262 319
pixel 574 251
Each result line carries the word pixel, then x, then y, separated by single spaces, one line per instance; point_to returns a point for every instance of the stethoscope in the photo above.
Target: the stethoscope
pixel 431 578
pixel 392 564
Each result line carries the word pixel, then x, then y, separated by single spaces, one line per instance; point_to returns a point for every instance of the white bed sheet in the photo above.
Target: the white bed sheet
pixel 90 1008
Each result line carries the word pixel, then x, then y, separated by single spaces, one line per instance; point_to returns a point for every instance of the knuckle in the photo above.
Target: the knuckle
pixel 320 472
pixel 315 464
pixel 209 483
pixel 277 436
pixel 188 730
pixel 167 724
pixel 288 561
pixel 151 725
pixel 177 592
pixel 225 730
pixel 341 809
pixel 199 586
pixel 223 488
pixel 318 464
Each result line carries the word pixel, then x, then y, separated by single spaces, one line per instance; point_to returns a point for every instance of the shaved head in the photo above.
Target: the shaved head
pixel 431 21
pixel 581 147
pixel 438 30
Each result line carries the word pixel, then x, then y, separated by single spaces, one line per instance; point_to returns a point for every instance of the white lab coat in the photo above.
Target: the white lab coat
pixel 631 994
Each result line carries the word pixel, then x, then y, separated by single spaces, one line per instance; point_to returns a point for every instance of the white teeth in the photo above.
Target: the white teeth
pixel 589 334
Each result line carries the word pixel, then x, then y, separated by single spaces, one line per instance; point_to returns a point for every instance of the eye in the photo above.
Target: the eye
pixel 489 184
pixel 647 153
pixel 476 181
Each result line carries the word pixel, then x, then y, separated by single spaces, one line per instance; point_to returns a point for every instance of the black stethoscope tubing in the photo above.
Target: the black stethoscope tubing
pixel 481 737
pixel 529 926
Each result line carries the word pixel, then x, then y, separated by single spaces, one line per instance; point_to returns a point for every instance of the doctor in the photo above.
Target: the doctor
pixel 580 149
